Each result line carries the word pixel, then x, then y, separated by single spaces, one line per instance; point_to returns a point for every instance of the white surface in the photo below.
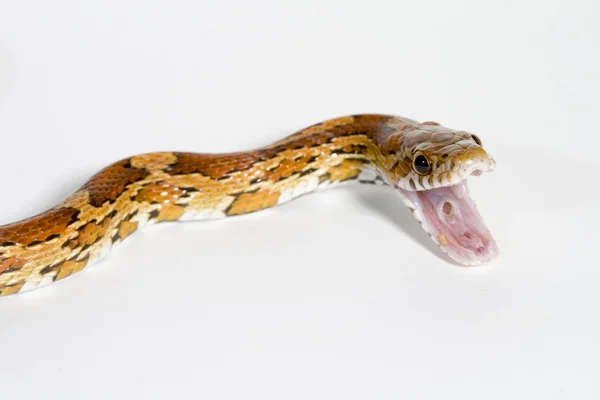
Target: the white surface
pixel 338 295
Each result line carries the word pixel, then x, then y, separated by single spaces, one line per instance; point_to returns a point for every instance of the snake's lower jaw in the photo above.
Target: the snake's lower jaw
pixel 450 217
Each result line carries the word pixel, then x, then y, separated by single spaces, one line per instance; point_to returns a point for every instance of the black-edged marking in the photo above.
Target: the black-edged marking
pixel 112 214
pixel 130 216
pixel 273 168
pixel 74 218
pixel 154 214
pixel 308 171
pixel 53 236
pixel 412 184
pixel 52 267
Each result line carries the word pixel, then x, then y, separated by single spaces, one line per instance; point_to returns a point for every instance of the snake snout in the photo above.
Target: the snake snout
pixel 473 163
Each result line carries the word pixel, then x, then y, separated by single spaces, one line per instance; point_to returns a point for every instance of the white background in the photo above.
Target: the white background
pixel 338 295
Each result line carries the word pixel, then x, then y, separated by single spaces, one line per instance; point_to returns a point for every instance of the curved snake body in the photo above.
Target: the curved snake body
pixel 178 186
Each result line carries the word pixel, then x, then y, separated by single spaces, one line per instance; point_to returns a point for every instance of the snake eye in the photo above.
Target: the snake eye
pixel 477 140
pixel 421 164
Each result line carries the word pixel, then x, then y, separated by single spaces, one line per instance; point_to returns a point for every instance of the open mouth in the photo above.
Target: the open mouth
pixel 451 218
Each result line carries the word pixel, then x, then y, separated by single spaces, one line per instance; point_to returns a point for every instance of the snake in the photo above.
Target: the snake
pixel 426 163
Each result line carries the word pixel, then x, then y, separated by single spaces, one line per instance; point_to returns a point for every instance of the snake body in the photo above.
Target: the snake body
pixel 179 186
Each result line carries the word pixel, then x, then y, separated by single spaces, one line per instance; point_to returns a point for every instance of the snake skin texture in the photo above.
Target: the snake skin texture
pixel 179 186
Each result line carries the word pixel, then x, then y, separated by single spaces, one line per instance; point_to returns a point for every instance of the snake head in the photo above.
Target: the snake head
pixel 430 169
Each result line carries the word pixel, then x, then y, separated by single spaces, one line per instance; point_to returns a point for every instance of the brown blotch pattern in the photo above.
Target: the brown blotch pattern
pixel 37 229
pixel 92 232
pixel 109 183
pixel 218 166
pixel 159 192
pixel 212 165
pixel 153 161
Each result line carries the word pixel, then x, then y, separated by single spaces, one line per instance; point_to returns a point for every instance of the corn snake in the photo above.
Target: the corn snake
pixel 426 163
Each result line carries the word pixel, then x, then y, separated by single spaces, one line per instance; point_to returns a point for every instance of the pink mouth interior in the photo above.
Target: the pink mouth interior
pixel 451 217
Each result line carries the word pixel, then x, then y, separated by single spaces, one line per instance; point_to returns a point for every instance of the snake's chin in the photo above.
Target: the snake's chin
pixel 450 217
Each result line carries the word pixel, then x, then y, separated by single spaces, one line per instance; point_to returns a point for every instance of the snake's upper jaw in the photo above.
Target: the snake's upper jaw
pixel 452 220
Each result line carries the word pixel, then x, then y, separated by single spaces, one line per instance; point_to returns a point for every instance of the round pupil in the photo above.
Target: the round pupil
pixel 421 164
